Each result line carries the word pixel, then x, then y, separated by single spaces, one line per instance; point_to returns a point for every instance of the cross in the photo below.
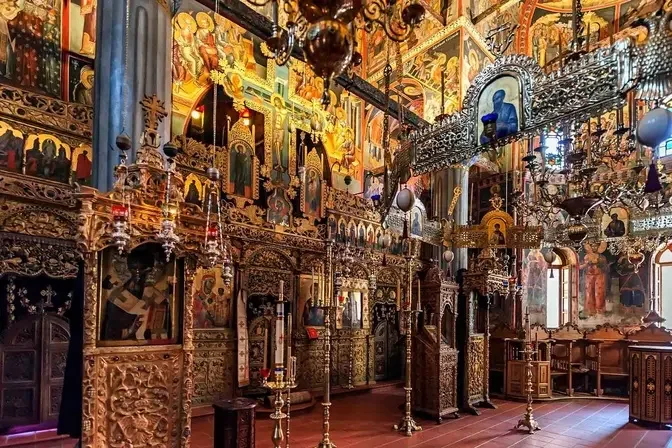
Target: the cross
pixel 49 293
pixel 154 110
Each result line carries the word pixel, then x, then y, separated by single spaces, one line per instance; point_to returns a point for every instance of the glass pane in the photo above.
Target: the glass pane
pixel 553 299
pixel 666 292
pixel 666 257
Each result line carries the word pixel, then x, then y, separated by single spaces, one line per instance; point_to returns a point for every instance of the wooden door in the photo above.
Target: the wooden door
pixel 55 339
pixel 635 385
pixel 260 333
pixel 20 366
pixel 381 350
pixel 33 354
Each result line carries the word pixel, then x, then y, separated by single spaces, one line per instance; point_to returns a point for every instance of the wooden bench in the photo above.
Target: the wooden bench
pixel 567 355
pixel 607 355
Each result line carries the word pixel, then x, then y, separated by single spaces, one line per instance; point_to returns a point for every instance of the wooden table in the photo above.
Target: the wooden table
pixel 234 423
pixel 651 384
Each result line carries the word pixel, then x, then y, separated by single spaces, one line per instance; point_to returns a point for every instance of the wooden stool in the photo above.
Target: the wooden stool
pixel 234 423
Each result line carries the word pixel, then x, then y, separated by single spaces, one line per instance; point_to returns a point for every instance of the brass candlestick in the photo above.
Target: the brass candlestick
pixel 528 420
pixel 327 306
pixel 281 383
pixel 407 424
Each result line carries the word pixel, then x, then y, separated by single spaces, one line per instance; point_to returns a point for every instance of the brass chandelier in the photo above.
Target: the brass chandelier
pixel 326 30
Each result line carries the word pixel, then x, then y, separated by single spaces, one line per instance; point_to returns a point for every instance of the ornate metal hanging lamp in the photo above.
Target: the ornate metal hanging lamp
pixel 326 30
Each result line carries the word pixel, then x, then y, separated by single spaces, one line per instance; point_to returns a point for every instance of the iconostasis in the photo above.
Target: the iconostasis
pixel 47 49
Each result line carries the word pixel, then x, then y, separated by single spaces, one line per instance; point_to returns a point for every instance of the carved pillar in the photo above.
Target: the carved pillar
pixel 148 72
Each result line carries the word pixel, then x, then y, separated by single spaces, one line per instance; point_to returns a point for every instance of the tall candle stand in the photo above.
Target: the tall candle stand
pixel 330 299
pixel 528 420
pixel 283 379
pixel 407 424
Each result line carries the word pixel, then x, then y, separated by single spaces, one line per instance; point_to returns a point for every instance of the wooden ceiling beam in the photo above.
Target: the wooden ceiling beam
pixel 259 25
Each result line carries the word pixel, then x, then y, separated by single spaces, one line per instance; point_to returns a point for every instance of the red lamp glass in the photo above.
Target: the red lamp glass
pixel 246 116
pixel 119 212
pixel 212 231
pixel 265 372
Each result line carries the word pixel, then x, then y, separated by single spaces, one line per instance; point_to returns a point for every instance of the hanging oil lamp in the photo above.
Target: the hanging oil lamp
pixel 167 236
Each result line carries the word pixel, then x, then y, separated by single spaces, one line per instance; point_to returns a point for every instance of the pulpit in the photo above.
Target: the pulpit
pixel 651 384
pixel 234 423
pixel 435 355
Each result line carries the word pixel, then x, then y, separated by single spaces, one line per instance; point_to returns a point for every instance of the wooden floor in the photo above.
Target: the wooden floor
pixel 365 421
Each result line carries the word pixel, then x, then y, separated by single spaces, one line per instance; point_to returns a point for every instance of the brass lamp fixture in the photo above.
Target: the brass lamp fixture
pixel 325 30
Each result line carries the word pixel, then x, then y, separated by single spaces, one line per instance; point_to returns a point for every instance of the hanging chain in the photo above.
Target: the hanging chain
pixel 399 72
pixel 124 90
pixel 387 72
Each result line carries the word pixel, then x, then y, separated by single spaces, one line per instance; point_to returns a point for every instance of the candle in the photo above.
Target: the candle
pixel 290 372
pixel 418 304
pixel 312 287
pixel 280 330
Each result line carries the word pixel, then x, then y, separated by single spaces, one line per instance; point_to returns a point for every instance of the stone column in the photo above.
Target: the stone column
pixel 148 72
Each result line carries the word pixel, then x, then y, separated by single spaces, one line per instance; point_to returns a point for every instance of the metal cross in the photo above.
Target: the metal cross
pixel 155 111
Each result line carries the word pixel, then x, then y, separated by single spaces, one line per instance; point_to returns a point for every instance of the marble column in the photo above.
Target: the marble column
pixel 148 72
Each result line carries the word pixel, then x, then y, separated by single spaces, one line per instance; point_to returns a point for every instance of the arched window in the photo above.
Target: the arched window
pixel 558 293
pixel 663 282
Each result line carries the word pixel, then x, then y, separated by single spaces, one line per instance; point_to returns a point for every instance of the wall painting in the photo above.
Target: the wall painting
pixel 82 27
pixel 139 297
pixel 212 300
pixel 80 81
pixel 30 45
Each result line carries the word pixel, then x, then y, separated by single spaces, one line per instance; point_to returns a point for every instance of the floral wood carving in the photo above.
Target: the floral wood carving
pixel 475 356
pixel 38 221
pixel 46 111
pixel 31 257
pixel 137 400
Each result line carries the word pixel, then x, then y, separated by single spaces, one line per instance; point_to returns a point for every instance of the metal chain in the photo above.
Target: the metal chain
pixel 124 90
pixel 399 72
pixel 387 72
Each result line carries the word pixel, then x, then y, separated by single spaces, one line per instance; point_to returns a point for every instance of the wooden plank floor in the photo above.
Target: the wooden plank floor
pixel 365 421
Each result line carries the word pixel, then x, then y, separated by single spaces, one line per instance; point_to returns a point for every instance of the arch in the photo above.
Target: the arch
pixel 272 258
pixel 661 267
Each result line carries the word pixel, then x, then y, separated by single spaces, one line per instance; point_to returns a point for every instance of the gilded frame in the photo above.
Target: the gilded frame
pixel 176 317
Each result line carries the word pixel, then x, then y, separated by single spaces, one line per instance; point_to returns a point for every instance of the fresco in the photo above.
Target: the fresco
pixel 376 44
pixel 610 290
pixel 474 60
pixel 509 14
pixel 80 81
pixel 551 33
pixel 30 45
pixel 534 277
pixel 82 27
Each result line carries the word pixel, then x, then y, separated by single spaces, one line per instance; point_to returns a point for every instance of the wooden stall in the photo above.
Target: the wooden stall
pixel 434 349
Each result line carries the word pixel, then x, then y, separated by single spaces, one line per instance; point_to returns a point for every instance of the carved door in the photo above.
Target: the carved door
pixel 260 337
pixel 32 365
pixel 387 356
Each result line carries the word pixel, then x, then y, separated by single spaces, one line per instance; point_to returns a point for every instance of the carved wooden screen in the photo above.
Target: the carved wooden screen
pixel 32 366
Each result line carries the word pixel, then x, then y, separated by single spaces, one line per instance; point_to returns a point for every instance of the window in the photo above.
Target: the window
pixel 558 293
pixel 553 155
pixel 663 282
pixel 665 148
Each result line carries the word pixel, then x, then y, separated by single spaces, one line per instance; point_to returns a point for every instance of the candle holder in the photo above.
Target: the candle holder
pixel 407 425
pixel 327 307
pixel 284 379
pixel 528 420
